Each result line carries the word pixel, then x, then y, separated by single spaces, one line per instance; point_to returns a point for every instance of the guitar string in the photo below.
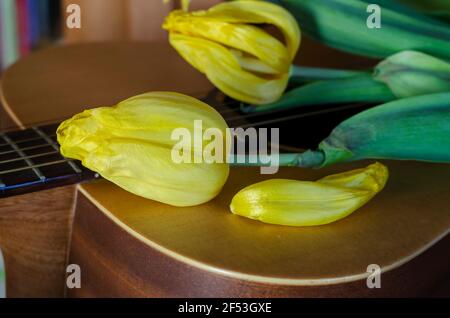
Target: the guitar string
pixel 199 95
pixel 208 96
pixel 60 119
pixel 24 149
pixel 254 124
pixel 30 157
pixel 298 116
pixel 228 119
pixel 26 140
pixel 244 126
pixel 35 166
pixel 204 97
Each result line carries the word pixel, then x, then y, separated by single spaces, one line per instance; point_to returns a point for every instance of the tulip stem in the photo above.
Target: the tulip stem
pixel 306 159
pixel 302 74
pixel 355 89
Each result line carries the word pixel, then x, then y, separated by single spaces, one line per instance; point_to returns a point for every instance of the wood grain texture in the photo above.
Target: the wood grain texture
pixel 149 249
pixel 59 82
pixel 51 85
pixel 409 215
pixel 403 221
pixel 6 123
pixel 34 238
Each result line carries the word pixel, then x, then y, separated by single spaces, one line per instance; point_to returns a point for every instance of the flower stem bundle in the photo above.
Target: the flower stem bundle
pixel 415 128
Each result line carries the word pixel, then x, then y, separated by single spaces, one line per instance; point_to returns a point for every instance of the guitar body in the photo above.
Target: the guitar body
pixel 34 238
pixel 129 246
pixel 49 86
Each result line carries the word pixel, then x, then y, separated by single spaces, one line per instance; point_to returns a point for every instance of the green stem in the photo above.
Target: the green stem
pixel 302 74
pixel 306 159
pixel 361 88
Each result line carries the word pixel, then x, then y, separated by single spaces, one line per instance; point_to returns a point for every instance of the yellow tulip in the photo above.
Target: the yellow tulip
pixel 238 57
pixel 130 144
pixel 306 203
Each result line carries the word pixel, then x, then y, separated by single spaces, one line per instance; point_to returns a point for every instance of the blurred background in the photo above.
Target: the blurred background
pixel 25 26
pixel 29 25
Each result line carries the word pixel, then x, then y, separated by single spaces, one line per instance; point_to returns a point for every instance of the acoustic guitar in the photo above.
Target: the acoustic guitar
pixel 54 212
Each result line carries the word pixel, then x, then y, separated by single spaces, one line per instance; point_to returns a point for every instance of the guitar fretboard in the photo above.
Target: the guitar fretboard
pixel 30 161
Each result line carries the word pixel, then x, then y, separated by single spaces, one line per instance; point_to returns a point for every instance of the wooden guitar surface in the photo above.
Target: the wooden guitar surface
pixel 402 222
pixel 130 246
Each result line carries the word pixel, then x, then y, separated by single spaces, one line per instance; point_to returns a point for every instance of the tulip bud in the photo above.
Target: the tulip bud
pixel 411 73
pixel 131 145
pixel 238 57
pixel 306 203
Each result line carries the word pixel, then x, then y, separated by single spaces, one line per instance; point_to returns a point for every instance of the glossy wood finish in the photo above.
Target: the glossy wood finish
pixel 150 249
pixel 34 236
pixel 137 247
pixel 51 85
pixel 58 82
pixel 5 120
pixel 34 231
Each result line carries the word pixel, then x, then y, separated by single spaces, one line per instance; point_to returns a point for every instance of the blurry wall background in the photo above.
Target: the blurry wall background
pixel 27 25
pixel 135 20
pixel 141 20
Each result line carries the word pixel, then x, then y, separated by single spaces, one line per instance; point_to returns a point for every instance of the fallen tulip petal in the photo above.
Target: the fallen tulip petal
pixel 307 203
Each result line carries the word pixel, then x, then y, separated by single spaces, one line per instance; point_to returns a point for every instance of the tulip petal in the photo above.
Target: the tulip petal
pixel 306 203
pixel 147 170
pixel 240 58
pixel 247 38
pixel 257 12
pixel 222 68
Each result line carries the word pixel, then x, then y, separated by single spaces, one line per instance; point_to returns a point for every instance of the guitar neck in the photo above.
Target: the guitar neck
pixel 30 161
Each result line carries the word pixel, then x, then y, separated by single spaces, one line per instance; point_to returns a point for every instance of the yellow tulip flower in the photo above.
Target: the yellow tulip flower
pixel 238 57
pixel 306 203
pixel 131 145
